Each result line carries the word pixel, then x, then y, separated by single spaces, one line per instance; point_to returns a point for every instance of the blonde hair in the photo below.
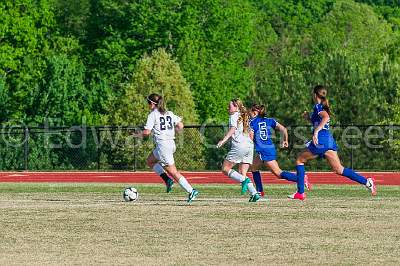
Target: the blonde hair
pixel 244 114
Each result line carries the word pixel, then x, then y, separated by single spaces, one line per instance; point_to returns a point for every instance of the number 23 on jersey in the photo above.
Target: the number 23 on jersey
pixel 166 123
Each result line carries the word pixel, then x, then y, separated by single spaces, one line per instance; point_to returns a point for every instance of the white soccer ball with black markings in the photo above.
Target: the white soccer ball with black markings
pixel 130 194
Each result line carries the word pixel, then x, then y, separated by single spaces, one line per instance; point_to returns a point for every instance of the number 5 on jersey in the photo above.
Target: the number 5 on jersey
pixel 262 127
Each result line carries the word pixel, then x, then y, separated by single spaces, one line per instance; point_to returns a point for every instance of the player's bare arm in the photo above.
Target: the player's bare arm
pixel 283 130
pixel 227 136
pixel 325 119
pixel 179 127
pixel 141 134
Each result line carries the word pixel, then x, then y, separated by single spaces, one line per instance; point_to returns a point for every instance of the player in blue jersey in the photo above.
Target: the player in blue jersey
pixel 323 144
pixel 241 151
pixel 265 148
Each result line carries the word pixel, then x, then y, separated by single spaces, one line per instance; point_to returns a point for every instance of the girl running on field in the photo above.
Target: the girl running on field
pixel 163 124
pixel 323 144
pixel 241 151
pixel 265 148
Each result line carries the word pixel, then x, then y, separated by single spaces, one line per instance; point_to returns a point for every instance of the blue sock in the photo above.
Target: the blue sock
pixel 289 176
pixel 300 178
pixel 354 176
pixel 258 181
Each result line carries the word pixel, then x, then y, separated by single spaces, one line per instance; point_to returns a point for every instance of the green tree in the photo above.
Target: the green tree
pixel 157 73
pixel 62 94
pixel 72 17
pixel 120 32
pixel 24 32
pixel 214 52
pixel 344 51
pixel 349 47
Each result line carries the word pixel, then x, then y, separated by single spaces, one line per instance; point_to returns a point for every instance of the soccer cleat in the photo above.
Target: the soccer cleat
pixel 254 198
pixel 192 195
pixel 307 183
pixel 169 184
pixel 297 195
pixel 244 185
pixel 371 186
pixel 262 193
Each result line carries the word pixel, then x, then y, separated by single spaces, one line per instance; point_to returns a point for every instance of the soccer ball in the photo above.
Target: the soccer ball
pixel 130 194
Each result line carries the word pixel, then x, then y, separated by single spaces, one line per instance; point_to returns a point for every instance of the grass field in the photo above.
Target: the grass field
pixel 77 224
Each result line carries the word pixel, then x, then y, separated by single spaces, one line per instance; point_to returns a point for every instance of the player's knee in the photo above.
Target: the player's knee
pixel 277 173
pixel 225 169
pixel 149 163
pixel 172 171
pixel 338 170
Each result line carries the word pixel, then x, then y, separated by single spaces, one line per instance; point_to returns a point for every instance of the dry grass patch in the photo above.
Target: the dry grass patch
pixel 91 225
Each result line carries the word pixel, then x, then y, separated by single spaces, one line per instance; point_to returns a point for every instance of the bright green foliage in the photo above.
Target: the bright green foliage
pixel 214 51
pixel 4 103
pixel 346 51
pixel 350 48
pixel 74 61
pixel 267 51
pixel 24 30
pixel 212 41
pixel 43 75
pixel 120 32
pixel 293 15
pixel 72 17
pixel 157 73
pixel 62 95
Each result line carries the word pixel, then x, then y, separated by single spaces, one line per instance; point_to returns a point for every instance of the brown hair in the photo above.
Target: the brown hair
pixel 259 108
pixel 321 93
pixel 157 100
pixel 244 115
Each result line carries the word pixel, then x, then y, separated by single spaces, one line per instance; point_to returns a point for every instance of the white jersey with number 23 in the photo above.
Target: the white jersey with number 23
pixel 162 125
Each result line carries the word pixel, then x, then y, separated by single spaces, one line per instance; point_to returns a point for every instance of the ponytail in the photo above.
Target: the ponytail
pixel 161 105
pixel 158 101
pixel 244 115
pixel 260 109
pixel 321 93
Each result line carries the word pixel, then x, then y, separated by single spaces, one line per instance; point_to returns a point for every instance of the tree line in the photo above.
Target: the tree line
pixel 92 62
pixel 91 59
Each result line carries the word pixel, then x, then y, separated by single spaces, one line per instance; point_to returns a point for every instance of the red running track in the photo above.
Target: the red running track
pixel 382 178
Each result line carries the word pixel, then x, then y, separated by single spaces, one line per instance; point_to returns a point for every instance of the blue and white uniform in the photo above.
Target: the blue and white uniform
pixel 264 145
pixel 325 139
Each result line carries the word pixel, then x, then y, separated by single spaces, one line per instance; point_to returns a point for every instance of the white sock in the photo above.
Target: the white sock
pixel 251 188
pixel 236 176
pixel 185 184
pixel 158 169
pixel 369 183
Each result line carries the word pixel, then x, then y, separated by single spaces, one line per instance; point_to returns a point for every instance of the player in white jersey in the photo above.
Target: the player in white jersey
pixel 242 148
pixel 162 124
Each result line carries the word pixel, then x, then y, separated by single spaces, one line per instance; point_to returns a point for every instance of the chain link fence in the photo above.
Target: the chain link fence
pixel 366 147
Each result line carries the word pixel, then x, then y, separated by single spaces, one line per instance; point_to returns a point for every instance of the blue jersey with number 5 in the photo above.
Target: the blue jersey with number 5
pixel 316 118
pixel 261 127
